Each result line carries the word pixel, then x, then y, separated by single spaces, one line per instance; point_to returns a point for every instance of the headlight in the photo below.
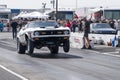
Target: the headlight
pixel 36 33
pixel 66 32
pixel 30 33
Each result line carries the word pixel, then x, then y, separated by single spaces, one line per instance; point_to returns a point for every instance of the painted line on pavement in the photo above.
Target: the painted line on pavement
pixel 111 54
pixel 10 71
pixel 106 53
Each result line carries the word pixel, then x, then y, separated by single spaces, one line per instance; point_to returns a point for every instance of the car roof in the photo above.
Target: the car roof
pixel 99 23
pixel 44 21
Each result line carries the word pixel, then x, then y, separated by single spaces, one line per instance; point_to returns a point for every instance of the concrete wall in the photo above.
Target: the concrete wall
pixel 77 42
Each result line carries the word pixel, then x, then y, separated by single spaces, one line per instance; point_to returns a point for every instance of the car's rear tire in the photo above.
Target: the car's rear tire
pixel 66 46
pixel 54 50
pixel 30 47
pixel 20 48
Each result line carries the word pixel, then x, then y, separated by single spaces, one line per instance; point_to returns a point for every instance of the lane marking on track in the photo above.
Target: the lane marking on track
pixel 111 54
pixel 10 71
pixel 106 53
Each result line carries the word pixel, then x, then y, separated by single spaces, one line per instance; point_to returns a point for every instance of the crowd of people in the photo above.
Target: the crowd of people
pixel 75 25
pixel 83 25
pixel 79 23
pixel 13 25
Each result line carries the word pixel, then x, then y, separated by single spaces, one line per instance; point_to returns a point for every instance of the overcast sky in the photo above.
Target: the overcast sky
pixel 37 4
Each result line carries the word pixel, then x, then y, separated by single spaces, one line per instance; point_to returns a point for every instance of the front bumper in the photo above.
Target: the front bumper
pixel 48 41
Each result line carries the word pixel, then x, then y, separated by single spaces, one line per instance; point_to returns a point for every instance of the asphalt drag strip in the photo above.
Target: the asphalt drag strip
pixel 7 74
pixel 107 50
pixel 7 46
pixel 10 44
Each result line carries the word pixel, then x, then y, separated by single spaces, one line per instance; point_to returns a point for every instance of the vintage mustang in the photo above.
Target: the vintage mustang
pixel 38 34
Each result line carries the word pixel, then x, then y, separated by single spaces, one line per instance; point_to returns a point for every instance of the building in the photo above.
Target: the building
pixel 62 14
pixel 113 13
pixel 5 13
pixel 106 13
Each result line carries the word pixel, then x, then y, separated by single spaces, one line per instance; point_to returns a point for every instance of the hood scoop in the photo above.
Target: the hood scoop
pixel 50 27
pixel 42 27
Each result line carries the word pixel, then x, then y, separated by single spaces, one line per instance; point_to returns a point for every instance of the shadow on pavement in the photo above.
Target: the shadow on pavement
pixel 104 48
pixel 54 56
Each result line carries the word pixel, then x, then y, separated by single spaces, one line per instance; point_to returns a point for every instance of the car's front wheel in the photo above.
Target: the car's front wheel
pixel 30 47
pixel 20 48
pixel 66 46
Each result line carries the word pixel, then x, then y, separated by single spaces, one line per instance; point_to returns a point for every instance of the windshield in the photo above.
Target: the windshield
pixel 101 26
pixel 43 24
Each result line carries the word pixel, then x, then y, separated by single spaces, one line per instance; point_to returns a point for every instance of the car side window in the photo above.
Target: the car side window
pixel 99 26
pixel 94 25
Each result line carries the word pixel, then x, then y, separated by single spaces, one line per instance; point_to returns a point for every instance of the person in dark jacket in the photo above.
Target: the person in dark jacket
pixel 111 22
pixel 86 30
pixel 14 25
pixel 74 24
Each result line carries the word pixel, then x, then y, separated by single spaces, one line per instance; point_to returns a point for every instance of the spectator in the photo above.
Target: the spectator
pixel 14 25
pixel 80 26
pixel 74 24
pixel 62 22
pixel 8 26
pixel 86 27
pixel 111 22
pixel 67 24
pixel 117 25
pixel 1 26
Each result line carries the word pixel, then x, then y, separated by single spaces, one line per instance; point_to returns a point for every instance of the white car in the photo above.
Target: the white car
pixel 38 34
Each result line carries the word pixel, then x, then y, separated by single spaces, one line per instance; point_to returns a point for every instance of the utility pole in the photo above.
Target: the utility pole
pixel 76 4
pixel 56 10
pixel 101 12
pixel 44 6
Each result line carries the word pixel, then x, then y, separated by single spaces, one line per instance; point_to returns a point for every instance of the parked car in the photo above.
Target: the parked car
pixel 117 26
pixel 38 34
pixel 102 28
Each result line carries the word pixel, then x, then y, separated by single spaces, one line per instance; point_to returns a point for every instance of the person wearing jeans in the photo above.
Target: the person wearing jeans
pixel 14 25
